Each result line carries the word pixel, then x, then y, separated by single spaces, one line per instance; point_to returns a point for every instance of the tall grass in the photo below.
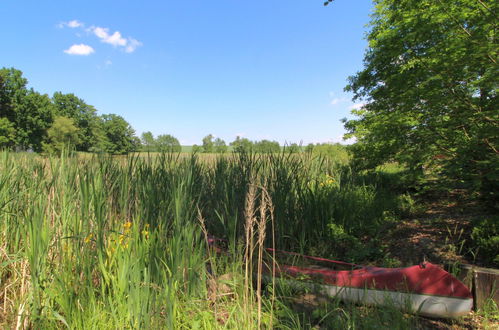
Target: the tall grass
pixel 116 243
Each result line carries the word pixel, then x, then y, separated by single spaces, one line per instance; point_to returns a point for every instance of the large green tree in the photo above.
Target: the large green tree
pixel 34 116
pixel 62 135
pixel 120 135
pixel 27 111
pixel 12 92
pixel 84 116
pixel 429 89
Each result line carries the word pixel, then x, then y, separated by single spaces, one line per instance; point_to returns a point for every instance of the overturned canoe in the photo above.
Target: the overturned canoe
pixel 425 289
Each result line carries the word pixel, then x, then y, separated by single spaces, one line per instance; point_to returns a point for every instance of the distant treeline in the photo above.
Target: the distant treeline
pixel 31 121
pixel 210 144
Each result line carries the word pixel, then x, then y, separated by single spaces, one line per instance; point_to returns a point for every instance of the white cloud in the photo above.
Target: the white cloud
pixel 99 32
pixel 80 49
pixel 115 39
pixel 71 24
pixel 108 63
pixel 132 45
pixel 357 106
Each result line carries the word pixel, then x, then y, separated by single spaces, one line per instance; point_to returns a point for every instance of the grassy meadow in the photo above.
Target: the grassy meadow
pixel 96 242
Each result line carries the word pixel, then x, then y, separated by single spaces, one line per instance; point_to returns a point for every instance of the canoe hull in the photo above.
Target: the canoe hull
pixel 424 289
pixel 421 304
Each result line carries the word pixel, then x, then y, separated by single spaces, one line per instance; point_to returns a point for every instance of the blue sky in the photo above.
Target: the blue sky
pixel 262 69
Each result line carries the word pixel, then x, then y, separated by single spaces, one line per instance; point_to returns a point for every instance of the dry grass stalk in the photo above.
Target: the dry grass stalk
pixel 249 215
pixel 262 224
pixel 256 218
pixel 270 211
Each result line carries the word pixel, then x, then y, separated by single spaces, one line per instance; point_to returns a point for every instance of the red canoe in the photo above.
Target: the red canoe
pixel 425 289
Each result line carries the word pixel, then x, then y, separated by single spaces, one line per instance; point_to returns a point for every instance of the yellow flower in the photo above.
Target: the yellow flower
pixel 127 225
pixel 88 238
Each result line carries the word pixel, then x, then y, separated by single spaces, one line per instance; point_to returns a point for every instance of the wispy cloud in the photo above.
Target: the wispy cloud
pixel 71 24
pixel 80 49
pixel 337 100
pixel 132 45
pixel 115 39
pixel 357 106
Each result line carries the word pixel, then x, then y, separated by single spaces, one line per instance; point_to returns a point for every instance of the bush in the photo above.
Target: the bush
pixel 485 238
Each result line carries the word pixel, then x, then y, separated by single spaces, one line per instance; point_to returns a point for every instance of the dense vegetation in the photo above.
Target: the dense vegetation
pixel 88 240
pixel 118 242
pixel 122 238
pixel 429 85
pixel 33 121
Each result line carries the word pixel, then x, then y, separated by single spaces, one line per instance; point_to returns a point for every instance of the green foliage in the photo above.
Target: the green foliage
pixel 267 147
pixel 116 242
pixel 119 133
pixel 333 151
pixel 208 143
pixel 220 146
pixel 196 149
pixel 242 145
pixel 485 236
pixel 148 142
pixel 35 115
pixel 84 115
pixel 7 133
pixel 62 135
pixel 293 148
pixel 167 143
pixel 12 92
pixel 29 112
pixel 26 116
pixel 430 90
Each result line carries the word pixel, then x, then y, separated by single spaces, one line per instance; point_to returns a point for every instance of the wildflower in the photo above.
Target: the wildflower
pixel 127 225
pixel 88 238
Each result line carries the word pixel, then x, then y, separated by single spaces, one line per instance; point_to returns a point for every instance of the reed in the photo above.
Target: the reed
pixel 103 242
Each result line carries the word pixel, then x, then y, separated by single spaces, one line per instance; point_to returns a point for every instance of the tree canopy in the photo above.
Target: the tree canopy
pixel 63 134
pixel 119 133
pixel 33 121
pixel 429 85
pixel 168 143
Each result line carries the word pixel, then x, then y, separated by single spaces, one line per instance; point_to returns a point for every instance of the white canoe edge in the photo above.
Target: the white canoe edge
pixel 427 305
